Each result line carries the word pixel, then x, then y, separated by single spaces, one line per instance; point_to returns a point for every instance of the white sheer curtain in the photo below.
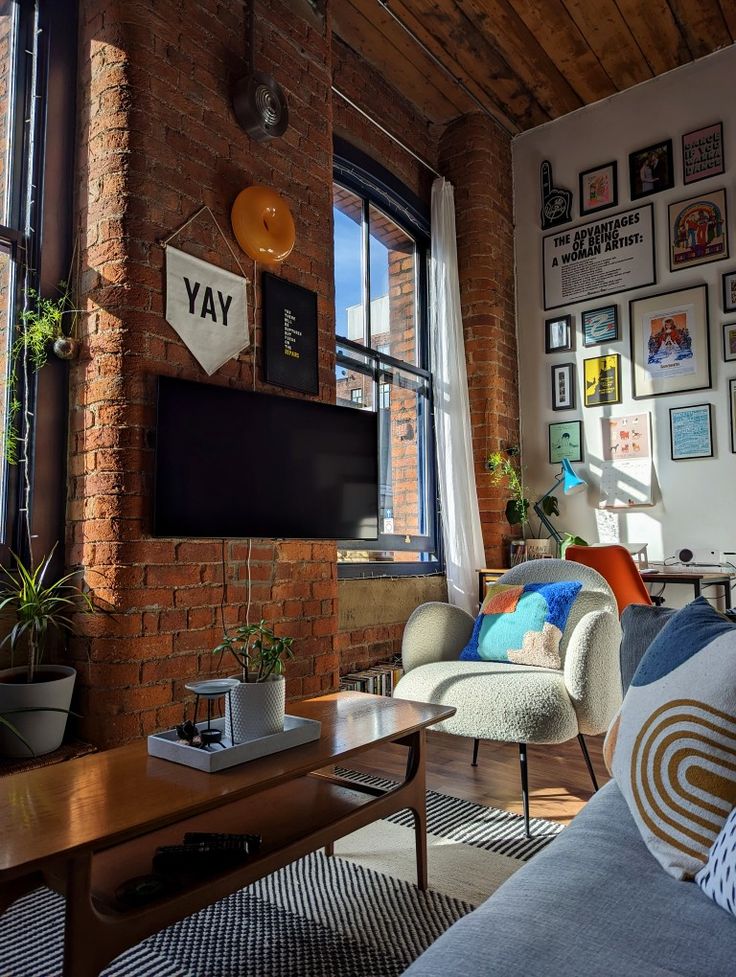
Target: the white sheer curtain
pixel 463 539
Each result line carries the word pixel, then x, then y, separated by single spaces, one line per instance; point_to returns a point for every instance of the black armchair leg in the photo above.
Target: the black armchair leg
pixel 588 763
pixel 476 744
pixel 524 787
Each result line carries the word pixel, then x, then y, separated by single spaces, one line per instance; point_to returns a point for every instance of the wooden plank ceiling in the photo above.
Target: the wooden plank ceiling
pixel 529 61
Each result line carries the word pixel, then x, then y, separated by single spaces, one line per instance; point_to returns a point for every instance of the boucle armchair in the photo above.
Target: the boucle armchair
pixel 521 703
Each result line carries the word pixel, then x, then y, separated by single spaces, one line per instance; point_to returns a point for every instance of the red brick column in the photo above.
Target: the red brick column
pixel 158 139
pixel 475 156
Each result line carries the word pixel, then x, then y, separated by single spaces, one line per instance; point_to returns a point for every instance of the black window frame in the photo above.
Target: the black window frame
pixel 41 162
pixel 355 171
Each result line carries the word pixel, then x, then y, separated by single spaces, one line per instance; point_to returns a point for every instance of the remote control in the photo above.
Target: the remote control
pixel 230 842
pixel 195 859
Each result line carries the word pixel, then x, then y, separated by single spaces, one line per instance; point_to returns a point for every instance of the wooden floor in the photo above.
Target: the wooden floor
pixel 559 784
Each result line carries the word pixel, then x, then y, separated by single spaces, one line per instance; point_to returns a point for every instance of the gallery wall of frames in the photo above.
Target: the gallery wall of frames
pixel 626 309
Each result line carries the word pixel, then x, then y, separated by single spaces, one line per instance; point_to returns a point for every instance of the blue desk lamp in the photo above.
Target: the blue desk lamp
pixel 571 484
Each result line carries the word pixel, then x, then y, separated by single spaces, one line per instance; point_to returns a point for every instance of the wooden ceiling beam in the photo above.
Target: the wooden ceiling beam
pixel 702 24
pixel 450 37
pixel 656 32
pixel 379 41
pixel 557 33
pixel 609 37
pixel 728 9
pixel 502 27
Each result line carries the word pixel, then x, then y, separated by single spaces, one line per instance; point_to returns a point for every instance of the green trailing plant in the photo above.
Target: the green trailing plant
pixel 40 326
pixel 38 607
pixel 258 651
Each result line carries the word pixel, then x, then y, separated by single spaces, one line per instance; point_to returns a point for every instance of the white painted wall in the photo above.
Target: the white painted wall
pixel 695 501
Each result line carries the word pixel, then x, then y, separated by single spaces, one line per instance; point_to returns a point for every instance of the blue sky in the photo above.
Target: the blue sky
pixel 347 268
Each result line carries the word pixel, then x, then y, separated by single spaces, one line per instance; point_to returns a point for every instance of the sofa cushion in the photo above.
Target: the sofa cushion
pixel 672 748
pixel 593 903
pixel 641 623
pixel 717 878
pixel 522 623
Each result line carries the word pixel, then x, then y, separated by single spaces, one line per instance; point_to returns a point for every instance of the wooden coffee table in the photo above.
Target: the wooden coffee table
pixel 82 828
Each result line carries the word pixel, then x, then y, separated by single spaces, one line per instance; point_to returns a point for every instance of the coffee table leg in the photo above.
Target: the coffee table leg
pixel 330 848
pixel 416 772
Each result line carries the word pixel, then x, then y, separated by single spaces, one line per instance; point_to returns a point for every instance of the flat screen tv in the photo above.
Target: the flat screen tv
pixel 235 463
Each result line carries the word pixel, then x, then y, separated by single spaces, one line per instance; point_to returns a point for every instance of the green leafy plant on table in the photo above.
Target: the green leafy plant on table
pixel 260 653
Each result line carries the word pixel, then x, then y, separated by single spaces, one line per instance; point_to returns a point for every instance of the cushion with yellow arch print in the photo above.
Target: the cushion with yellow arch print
pixel 672 747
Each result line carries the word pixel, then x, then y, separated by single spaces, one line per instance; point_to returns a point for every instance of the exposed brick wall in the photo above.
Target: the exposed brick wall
pixel 158 139
pixel 475 155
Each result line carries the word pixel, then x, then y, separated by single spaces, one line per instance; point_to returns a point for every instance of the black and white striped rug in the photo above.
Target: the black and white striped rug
pixel 327 917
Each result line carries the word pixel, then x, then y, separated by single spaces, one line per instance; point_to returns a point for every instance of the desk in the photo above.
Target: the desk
pixel 84 827
pixel 697 579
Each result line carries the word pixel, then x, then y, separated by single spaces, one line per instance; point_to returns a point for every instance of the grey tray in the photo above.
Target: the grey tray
pixel 218 757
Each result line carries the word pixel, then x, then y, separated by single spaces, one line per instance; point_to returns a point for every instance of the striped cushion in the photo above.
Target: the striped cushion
pixel 717 878
pixel 672 747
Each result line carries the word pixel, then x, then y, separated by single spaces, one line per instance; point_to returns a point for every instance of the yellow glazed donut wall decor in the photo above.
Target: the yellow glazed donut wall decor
pixel 263 225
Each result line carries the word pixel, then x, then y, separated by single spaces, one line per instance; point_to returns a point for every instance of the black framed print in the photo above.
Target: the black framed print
pixel 691 432
pixel 670 342
pixel 565 441
pixel 600 325
pixel 598 189
pixel 729 341
pixel 290 354
pixel 602 380
pixel 651 169
pixel 558 334
pixel 702 153
pixel 729 291
pixel 563 386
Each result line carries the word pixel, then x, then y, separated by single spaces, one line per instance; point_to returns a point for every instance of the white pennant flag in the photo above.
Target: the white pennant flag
pixel 208 308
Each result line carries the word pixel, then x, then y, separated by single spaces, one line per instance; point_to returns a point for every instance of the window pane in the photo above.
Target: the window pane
pixel 7 10
pixel 5 305
pixel 393 267
pixel 403 474
pixel 354 388
pixel 347 213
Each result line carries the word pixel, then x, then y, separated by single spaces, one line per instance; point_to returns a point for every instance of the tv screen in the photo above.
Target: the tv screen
pixel 236 463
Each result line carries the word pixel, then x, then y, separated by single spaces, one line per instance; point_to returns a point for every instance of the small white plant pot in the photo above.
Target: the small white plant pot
pixel 44 730
pixel 256 709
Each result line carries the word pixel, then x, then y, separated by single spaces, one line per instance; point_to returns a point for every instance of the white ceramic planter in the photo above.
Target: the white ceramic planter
pixel 44 731
pixel 257 709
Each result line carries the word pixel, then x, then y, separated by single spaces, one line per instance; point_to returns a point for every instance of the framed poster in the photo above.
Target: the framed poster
pixel 691 432
pixel 670 342
pixel 702 153
pixel 729 291
pixel 601 257
pixel 600 325
pixel 558 334
pixel 729 341
pixel 598 188
pixel 626 468
pixel 732 412
pixel 698 230
pixel 602 380
pixel 565 441
pixel 563 386
pixel 290 335
pixel 651 169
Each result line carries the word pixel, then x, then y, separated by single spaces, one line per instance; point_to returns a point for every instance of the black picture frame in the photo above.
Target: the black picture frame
pixel 728 285
pixel 587 319
pixel 290 346
pixel 689 224
pixel 643 385
pixel 567 370
pixel 690 407
pixel 718 126
pixel 552 430
pixel 729 333
pixel 569 343
pixel 582 185
pixel 603 397
pixel 664 180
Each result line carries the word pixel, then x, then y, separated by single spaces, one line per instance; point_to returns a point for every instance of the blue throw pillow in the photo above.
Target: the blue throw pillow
pixel 522 623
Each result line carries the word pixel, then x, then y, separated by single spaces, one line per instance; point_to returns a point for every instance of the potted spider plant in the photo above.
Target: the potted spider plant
pixel 35 697
pixel 256 706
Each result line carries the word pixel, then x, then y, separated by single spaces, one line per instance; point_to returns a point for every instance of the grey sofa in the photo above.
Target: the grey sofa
pixel 595 903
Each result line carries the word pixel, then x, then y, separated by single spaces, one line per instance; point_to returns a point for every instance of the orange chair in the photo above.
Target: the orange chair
pixel 616 565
